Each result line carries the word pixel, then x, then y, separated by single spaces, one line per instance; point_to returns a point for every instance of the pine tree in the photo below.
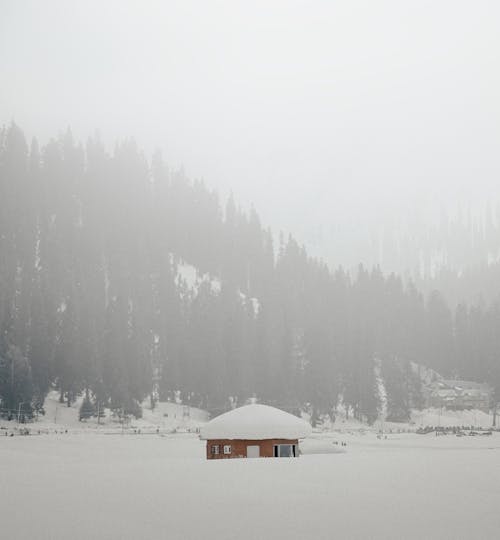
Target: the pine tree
pixel 87 408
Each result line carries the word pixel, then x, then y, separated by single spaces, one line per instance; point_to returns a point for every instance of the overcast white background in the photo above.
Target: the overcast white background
pixel 317 111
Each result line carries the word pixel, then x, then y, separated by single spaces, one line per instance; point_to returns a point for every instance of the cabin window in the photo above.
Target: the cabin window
pixel 215 449
pixel 285 450
pixel 227 449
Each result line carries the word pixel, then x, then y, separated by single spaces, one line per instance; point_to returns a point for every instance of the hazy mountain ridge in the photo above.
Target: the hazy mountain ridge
pixel 456 253
pixel 95 297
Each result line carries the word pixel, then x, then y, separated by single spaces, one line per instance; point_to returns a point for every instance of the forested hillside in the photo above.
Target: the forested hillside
pixel 92 300
pixel 456 252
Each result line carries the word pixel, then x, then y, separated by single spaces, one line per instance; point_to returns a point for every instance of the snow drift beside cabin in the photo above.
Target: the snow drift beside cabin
pixel 255 422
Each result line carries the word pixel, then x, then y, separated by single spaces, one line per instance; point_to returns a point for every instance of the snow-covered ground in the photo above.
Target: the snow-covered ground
pixel 97 486
pixel 192 280
pixel 166 417
pixel 169 416
pixel 419 418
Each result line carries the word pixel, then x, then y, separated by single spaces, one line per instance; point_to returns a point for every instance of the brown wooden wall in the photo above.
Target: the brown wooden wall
pixel 239 447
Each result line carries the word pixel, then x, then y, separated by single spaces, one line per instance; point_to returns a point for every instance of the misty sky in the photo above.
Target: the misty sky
pixel 317 111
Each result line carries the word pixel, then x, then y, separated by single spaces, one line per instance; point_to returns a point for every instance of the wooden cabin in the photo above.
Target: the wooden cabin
pixel 254 431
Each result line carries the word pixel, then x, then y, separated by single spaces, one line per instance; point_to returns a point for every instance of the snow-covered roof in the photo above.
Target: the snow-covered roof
pixel 255 422
pixel 465 385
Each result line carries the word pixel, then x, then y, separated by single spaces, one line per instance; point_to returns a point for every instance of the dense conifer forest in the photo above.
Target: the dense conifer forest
pixel 93 299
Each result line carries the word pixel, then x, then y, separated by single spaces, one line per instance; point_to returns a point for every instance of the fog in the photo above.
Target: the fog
pixel 341 113
pixel 249 229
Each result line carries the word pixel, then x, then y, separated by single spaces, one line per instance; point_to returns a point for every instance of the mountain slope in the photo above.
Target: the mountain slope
pixel 122 279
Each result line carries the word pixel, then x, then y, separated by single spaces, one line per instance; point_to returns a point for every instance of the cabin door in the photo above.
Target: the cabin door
pixel 253 451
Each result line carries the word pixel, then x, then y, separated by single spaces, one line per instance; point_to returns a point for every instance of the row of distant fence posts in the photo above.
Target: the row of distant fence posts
pixel 16 413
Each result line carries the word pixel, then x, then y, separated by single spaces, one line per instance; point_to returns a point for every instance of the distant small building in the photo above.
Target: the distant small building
pixel 459 395
pixel 254 431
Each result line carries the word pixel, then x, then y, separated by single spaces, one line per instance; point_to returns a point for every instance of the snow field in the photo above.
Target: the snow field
pixel 167 416
pixel 96 486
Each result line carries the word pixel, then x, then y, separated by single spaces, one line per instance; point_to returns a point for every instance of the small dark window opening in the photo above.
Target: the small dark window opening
pixel 285 450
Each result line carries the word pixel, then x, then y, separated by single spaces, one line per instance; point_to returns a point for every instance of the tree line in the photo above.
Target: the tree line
pixel 93 302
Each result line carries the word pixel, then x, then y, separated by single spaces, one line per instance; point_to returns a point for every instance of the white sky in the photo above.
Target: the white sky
pixel 313 110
